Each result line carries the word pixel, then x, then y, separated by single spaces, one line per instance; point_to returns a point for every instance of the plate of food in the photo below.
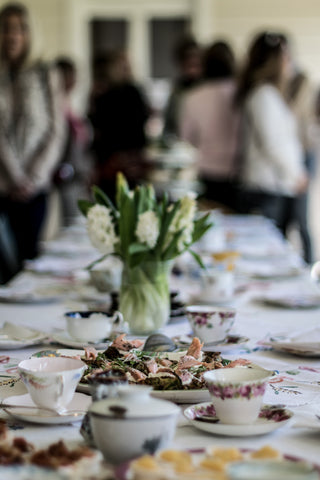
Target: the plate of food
pixel 175 376
pixel 227 463
pixel 21 460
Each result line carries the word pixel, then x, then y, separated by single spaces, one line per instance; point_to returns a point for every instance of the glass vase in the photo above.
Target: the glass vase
pixel 144 296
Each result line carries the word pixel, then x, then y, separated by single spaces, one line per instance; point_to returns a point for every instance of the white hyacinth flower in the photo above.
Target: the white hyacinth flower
pixel 183 221
pixel 101 229
pixel 147 230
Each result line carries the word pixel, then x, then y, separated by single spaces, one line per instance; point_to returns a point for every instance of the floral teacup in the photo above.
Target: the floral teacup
pixel 237 393
pixel 210 323
pixel 51 381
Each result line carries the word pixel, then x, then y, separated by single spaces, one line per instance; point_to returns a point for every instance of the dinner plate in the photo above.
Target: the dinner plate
pixel 79 402
pixel 63 338
pixel 17 336
pixel 305 344
pixel 271 417
pixel 296 301
pixel 26 296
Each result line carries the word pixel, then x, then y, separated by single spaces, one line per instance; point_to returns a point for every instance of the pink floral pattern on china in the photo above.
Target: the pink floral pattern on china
pixel 224 391
pixel 203 319
pixel 272 413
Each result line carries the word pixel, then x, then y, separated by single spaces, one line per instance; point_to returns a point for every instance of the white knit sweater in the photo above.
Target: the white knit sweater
pixel 273 154
pixel 31 128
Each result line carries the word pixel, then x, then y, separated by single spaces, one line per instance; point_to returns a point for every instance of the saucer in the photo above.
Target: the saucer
pixel 231 342
pixel 63 338
pixel 78 402
pixel 271 417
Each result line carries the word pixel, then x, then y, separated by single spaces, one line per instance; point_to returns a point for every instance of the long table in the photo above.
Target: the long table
pixel 298 379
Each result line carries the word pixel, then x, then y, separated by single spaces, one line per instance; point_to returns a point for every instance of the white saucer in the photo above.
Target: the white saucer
pixel 63 338
pixel 272 417
pixel 79 402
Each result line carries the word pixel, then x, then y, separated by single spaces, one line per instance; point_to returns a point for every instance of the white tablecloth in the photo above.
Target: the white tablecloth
pixel 254 320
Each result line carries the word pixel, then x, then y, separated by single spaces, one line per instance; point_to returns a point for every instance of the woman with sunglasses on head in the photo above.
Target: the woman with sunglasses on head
pixel 272 164
pixel 31 131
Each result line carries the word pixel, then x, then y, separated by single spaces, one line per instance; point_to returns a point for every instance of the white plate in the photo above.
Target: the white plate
pixel 8 295
pixel 306 344
pixel 79 402
pixel 293 301
pixel 176 396
pixel 27 472
pixel 232 342
pixel 209 422
pixel 17 336
pixel 64 339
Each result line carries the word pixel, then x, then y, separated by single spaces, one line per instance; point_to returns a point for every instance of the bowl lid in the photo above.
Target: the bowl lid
pixel 133 401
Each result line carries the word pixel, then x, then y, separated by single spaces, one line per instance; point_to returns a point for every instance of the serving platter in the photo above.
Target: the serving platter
pixel 177 396
pixel 281 467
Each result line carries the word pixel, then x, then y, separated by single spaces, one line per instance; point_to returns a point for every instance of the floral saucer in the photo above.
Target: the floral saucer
pixel 271 417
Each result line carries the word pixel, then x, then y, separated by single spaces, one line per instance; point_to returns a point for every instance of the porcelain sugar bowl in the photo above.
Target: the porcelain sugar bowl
pixel 133 424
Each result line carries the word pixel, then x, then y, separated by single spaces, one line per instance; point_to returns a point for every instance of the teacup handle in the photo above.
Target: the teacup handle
pixel 117 318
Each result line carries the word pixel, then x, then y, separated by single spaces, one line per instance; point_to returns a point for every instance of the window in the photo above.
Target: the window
pixel 164 34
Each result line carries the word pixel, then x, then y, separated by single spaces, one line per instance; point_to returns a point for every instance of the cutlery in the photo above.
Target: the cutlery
pixel 157 342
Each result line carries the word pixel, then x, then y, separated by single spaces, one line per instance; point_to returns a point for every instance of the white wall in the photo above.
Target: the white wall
pixel 62 25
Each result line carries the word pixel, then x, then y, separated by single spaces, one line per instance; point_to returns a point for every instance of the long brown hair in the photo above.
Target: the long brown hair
pixel 263 64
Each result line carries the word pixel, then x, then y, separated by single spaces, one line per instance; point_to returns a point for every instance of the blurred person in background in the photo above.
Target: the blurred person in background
pixel 99 82
pixel 119 123
pixel 188 58
pixel 73 170
pixel 301 99
pixel 210 121
pixel 31 131
pixel 272 166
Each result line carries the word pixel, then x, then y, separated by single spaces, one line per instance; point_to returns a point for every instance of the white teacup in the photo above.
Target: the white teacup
pixel 51 381
pixel 217 286
pixel 237 393
pixel 89 326
pixel 210 323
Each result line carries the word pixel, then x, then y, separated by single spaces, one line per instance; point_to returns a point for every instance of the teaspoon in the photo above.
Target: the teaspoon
pixel 50 411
